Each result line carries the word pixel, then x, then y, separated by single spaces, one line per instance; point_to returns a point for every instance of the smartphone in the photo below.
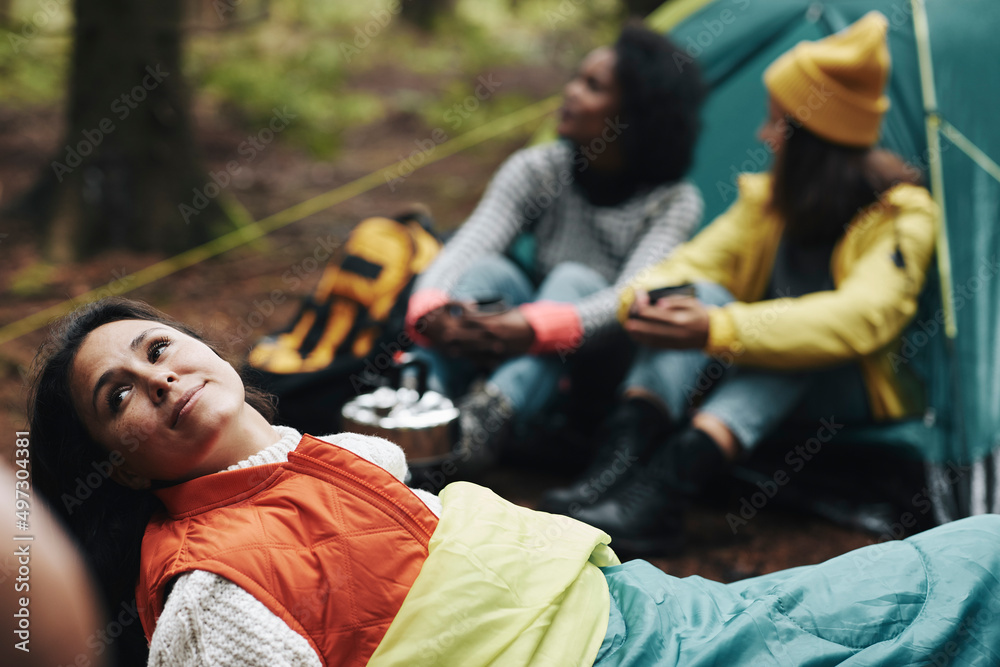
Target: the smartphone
pixel 687 289
pixel 490 305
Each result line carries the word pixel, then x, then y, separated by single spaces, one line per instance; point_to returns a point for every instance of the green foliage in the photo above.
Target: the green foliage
pixel 329 62
pixel 272 66
pixel 458 109
pixel 32 280
pixel 539 26
pixel 338 65
pixel 34 54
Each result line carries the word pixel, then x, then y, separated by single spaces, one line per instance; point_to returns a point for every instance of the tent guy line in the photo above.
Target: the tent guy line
pixel 256 230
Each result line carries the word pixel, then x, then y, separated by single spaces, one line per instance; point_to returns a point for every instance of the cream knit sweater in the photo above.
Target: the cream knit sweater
pixel 209 620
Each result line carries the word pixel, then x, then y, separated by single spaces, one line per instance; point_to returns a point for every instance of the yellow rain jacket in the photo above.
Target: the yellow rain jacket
pixel 861 320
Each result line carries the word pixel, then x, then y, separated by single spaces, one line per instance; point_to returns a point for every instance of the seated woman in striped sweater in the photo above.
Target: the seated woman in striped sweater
pixel 601 205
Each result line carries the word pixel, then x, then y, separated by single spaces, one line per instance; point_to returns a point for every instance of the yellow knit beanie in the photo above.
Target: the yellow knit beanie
pixel 834 86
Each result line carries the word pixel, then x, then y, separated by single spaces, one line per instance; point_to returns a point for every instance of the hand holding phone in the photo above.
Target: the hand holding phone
pixel 664 323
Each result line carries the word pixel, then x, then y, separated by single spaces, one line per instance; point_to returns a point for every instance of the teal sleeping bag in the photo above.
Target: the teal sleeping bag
pixel 933 599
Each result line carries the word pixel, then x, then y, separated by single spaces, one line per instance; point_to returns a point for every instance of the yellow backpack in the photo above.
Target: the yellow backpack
pixel 355 313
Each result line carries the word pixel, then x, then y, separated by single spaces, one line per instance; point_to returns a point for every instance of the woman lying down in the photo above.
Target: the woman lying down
pixel 263 546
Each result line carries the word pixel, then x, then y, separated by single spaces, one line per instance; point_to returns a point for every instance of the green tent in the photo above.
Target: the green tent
pixel 945 80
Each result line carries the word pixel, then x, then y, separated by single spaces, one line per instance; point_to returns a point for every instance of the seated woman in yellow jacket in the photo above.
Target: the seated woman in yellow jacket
pixel 802 287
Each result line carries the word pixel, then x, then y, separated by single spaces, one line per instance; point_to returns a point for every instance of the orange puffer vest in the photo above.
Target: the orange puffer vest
pixel 328 541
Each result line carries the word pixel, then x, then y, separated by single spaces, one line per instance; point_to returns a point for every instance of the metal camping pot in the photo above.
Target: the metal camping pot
pixel 424 423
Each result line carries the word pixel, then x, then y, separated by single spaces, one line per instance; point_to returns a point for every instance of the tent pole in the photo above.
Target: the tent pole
pixel 932 123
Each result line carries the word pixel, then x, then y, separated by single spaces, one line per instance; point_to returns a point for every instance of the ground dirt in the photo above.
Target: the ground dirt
pixel 222 295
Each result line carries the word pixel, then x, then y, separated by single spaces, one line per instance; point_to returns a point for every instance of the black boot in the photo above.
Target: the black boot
pixel 486 418
pixel 631 430
pixel 645 516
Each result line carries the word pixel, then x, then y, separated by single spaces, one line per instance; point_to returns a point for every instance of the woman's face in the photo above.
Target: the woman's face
pixel 162 399
pixel 591 99
pixel 775 129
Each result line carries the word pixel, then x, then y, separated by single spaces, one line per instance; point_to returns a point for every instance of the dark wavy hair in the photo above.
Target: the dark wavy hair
pixel 73 471
pixel 818 186
pixel 661 97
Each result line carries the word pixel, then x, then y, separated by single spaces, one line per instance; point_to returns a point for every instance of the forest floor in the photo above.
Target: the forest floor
pixel 230 297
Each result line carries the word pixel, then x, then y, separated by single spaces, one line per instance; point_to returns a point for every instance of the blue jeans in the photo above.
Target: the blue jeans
pixel 529 382
pixel 752 403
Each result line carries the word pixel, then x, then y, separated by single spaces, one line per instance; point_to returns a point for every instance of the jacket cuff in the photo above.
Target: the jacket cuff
pixel 722 335
pixel 625 300
pixel 420 304
pixel 556 325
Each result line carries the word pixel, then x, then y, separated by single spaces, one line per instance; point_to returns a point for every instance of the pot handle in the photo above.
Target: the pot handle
pixel 412 373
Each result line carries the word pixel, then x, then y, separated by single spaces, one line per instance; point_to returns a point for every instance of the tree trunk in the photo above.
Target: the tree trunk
pixel 127 174
pixel 424 13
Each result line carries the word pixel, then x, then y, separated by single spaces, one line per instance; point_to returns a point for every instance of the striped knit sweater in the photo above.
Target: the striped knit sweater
pixel 534 190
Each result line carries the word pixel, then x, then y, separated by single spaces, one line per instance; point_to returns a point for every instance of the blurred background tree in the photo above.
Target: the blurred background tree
pixel 423 13
pixel 128 161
